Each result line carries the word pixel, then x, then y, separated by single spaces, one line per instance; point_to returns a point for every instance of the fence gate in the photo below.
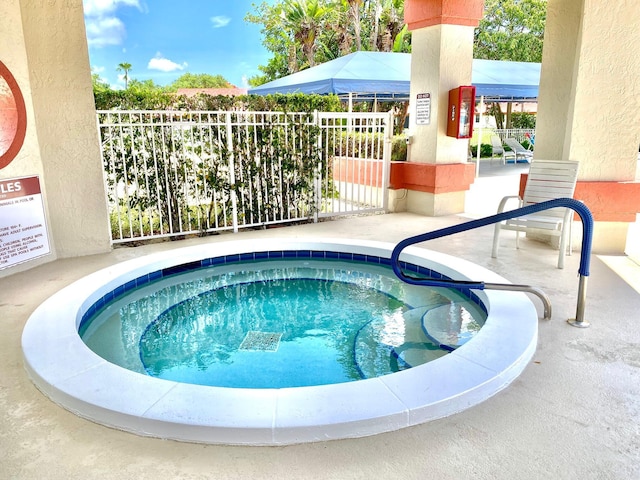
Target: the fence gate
pixel 357 150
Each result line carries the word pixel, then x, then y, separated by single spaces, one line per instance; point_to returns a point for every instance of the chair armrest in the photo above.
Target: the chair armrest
pixel 504 201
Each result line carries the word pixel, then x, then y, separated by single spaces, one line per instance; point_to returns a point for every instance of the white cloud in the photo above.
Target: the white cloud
pixel 98 70
pixel 164 64
pixel 97 8
pixel 220 21
pixel 105 31
pixel 103 27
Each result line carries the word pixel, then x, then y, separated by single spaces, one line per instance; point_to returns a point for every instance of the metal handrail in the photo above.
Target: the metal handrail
pixel 585 254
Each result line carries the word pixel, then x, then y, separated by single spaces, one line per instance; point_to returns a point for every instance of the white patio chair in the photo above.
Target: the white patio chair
pixel 498 150
pixel 547 180
pixel 518 149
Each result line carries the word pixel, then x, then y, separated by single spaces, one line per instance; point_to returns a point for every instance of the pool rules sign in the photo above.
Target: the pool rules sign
pixel 23 231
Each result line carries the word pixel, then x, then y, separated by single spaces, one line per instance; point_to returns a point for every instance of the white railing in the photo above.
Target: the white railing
pixel 519 134
pixel 172 173
pixel 358 147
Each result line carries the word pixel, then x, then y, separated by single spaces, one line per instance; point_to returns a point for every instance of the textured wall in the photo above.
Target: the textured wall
pixel 589 108
pixel 441 59
pixel 65 118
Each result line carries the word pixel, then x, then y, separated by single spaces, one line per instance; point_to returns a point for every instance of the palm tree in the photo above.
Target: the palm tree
pixel 354 17
pixel 304 19
pixel 388 34
pixel 125 67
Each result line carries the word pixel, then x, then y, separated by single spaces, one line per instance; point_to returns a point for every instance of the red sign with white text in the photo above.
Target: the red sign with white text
pixel 23 230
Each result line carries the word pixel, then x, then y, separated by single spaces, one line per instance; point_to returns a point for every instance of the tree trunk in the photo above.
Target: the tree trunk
pixel 377 9
pixel 354 11
pixel 496 111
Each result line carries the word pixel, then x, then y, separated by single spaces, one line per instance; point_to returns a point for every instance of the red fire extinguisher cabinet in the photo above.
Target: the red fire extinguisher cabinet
pixel 462 102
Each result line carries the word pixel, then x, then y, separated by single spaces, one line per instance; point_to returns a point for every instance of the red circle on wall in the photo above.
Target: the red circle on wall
pixel 13 117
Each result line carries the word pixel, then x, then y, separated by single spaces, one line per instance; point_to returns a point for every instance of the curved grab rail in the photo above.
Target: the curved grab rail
pixel 585 254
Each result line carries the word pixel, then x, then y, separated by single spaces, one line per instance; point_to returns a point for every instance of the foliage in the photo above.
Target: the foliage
pixel 523 120
pixel 525 143
pixel 511 30
pixel 99 85
pixel 305 20
pixel 399 148
pixel 139 96
pixel 199 80
pixel 124 68
pixel 486 150
pixel 303 33
pixel 356 144
pixel 149 96
pixel 188 186
pixel 363 145
pixel 270 159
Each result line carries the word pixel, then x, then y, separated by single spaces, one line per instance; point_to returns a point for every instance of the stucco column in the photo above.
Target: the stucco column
pixel 437 174
pixel 43 45
pixel 589 107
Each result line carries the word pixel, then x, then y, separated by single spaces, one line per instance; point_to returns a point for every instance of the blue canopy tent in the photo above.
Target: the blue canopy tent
pixel 386 76
pixel 506 81
pixel 365 75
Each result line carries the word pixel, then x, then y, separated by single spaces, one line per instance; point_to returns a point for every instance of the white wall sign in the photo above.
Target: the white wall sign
pixel 23 231
pixel 423 109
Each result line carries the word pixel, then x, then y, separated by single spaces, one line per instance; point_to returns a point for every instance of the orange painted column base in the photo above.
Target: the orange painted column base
pixel 431 177
pixel 608 201
pixel 426 13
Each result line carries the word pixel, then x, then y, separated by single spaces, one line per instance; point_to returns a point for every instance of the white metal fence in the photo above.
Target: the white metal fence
pixel 357 149
pixel 519 134
pixel 171 173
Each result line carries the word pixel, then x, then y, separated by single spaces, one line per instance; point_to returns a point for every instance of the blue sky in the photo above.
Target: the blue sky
pixel 163 39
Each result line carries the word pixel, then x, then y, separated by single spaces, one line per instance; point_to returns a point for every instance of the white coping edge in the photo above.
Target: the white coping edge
pixel 73 376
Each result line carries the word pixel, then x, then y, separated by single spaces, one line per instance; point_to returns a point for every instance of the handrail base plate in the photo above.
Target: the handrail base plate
pixel 574 323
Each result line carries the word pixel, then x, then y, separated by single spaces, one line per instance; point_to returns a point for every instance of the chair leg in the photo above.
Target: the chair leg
pixel 563 246
pixel 564 233
pixel 496 240
pixel 569 222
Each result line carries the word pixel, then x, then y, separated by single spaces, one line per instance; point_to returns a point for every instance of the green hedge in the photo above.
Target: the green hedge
pixel 158 100
pixel 399 148
pixel 485 150
pixel 523 120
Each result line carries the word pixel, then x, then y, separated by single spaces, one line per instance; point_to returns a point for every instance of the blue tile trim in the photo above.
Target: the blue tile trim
pixel 218 261
pixel 232 258
pixel 345 256
pixel 121 290
pixel 372 259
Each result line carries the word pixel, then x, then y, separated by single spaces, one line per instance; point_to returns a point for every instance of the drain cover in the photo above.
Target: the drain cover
pixel 261 341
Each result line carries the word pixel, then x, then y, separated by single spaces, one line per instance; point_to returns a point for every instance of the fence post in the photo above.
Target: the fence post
pixel 232 173
pixel 317 180
pixel 386 160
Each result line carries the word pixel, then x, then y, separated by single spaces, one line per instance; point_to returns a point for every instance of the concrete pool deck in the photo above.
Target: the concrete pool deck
pixel 573 413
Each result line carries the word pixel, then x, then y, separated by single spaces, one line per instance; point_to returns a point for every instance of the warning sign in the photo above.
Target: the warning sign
pixel 23 231
pixel 423 109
